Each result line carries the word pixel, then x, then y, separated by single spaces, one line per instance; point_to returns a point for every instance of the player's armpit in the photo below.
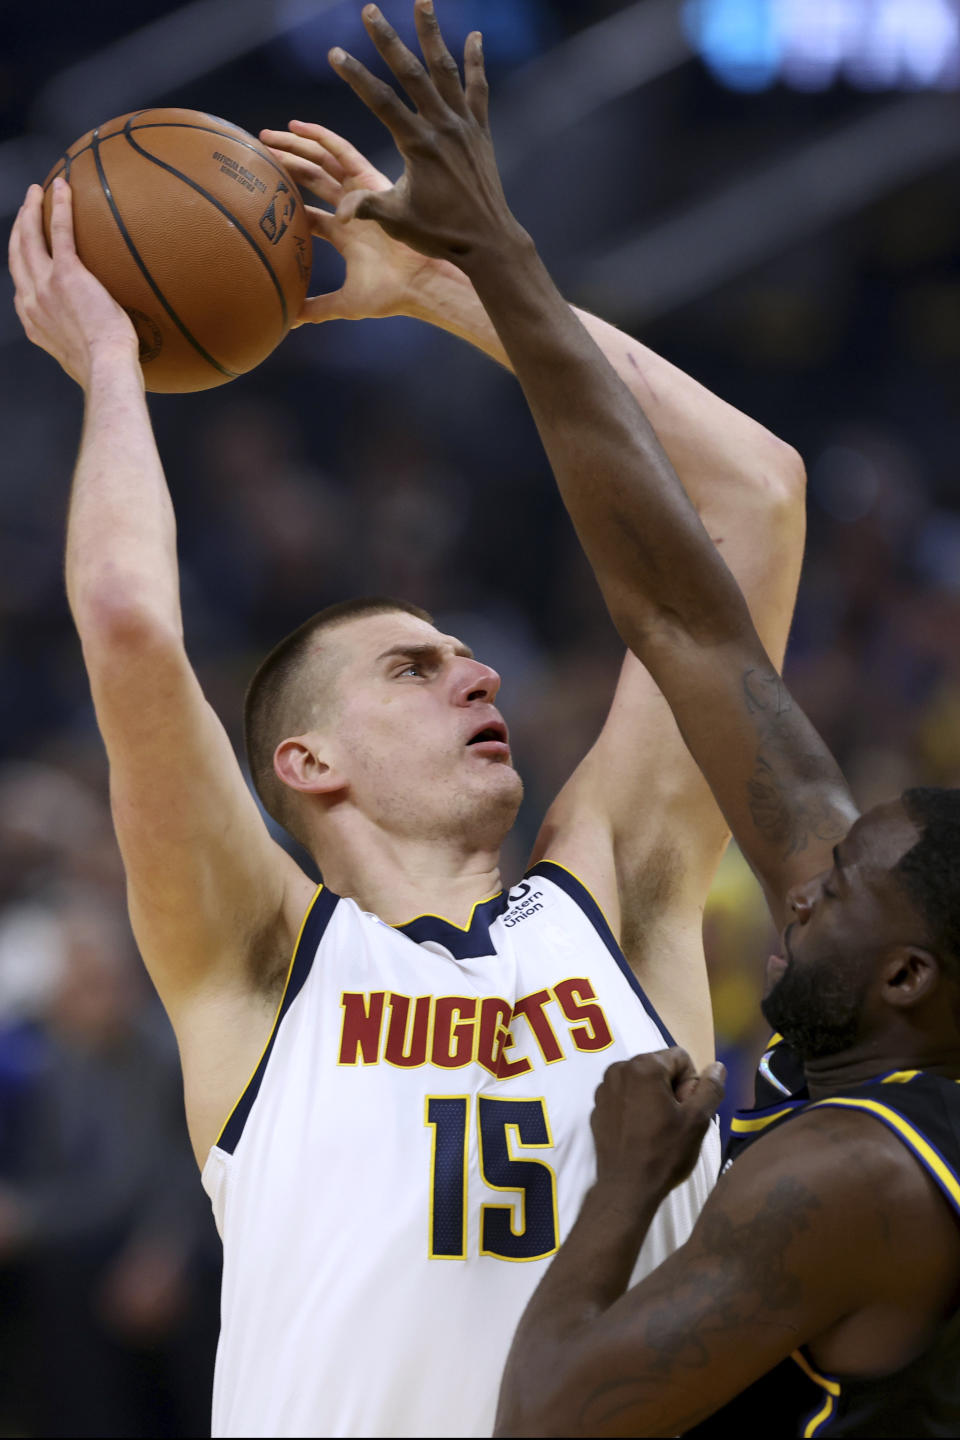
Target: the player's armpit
pixel 816 1230
pixel 636 823
pixel 206 883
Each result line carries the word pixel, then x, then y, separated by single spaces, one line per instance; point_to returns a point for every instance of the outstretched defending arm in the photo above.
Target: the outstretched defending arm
pixel 207 887
pixel 671 595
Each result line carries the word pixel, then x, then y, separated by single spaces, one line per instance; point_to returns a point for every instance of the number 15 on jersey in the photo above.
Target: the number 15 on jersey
pixel 522 1229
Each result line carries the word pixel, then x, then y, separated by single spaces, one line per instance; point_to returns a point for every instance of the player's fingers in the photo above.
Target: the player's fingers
pixel 705 1098
pixel 379 205
pixel 444 70
pixel 61 222
pixel 311 176
pixel 34 257
pixel 318 308
pixel 346 155
pixel 14 249
pixel 288 148
pixel 325 225
pixel 676 1063
pixel 404 65
pixel 476 89
pixel 378 97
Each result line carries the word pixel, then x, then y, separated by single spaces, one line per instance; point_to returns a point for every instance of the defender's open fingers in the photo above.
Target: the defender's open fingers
pixel 402 62
pixel 476 88
pixel 444 71
pixel 376 95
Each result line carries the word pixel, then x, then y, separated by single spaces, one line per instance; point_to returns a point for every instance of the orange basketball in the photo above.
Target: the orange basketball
pixel 197 232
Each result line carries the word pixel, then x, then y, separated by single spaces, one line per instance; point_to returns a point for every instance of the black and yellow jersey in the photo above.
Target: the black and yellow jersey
pixel 796 1397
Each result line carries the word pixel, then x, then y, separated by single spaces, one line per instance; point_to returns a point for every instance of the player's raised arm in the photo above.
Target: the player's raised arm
pixel 205 881
pixel 672 597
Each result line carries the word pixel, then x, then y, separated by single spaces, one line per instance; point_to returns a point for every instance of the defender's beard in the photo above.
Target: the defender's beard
pixel 816 1008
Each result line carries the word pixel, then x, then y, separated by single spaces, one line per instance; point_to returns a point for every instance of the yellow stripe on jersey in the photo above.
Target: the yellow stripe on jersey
pixel 759 1122
pixel 917 1143
pixel 815 1421
pixel 831 1387
pixel 276 1018
pixel 899 1077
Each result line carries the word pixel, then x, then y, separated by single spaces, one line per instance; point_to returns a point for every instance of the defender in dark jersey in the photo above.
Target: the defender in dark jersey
pixel 922 1109
pixel 819 1293
pixel 825 1268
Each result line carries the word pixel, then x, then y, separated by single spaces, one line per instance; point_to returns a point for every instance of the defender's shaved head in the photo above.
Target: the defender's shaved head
pixel 292 689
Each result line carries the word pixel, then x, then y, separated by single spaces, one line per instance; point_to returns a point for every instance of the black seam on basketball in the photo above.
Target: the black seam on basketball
pixel 218 205
pixel 186 125
pixel 209 130
pixel 68 159
pixel 118 218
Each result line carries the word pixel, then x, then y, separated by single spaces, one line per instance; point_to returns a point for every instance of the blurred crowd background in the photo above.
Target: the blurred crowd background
pixel 766 192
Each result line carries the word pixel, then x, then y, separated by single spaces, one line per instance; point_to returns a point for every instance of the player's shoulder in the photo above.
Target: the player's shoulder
pixel 807 1177
pixel 563 895
pixel 873 1146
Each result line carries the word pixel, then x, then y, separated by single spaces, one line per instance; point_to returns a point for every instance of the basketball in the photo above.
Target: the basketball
pixel 197 232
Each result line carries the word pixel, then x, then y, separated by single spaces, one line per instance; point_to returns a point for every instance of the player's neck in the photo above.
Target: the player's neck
pixel 398 878
pixel 840 1072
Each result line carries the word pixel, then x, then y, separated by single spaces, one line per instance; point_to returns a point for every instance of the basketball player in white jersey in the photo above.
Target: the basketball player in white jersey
pixel 411 1140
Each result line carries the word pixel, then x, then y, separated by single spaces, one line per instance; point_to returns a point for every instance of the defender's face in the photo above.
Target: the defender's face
pixel 845 921
pixel 416 731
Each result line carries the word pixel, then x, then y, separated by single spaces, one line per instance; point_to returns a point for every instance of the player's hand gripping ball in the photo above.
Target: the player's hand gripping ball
pixel 198 232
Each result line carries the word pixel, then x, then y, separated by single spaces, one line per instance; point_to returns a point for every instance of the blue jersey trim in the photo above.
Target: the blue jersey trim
pixel 565 880
pixel 317 919
pixel 470 943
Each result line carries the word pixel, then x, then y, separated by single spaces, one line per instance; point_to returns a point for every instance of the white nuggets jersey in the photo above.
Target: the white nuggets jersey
pixel 412 1148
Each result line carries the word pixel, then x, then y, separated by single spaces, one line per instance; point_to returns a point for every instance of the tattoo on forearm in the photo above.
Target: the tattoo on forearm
pixel 751 1285
pixel 795 780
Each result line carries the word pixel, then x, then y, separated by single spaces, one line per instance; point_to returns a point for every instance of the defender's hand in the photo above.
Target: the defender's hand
pixel 449 202
pixel 384 277
pixel 62 307
pixel 650 1116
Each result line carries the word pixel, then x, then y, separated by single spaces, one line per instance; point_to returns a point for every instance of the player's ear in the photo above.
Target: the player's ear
pixel 298 763
pixel 910 974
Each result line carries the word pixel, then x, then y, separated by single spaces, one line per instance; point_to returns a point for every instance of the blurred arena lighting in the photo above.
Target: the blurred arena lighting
pixel 679 259
pixel 603 62
pixel 812 44
pixel 145 65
